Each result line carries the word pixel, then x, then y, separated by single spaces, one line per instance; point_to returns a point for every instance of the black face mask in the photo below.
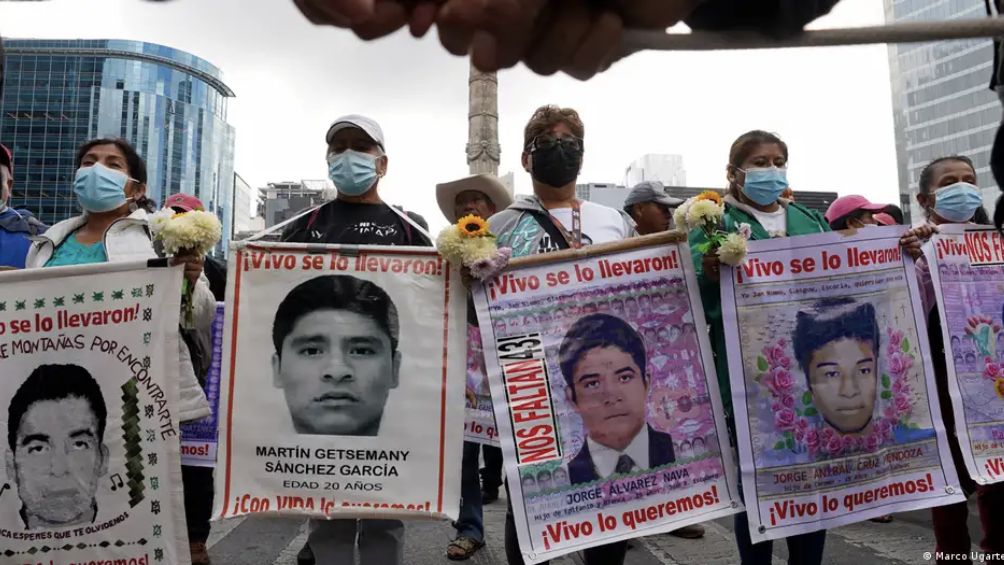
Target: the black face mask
pixel 557 165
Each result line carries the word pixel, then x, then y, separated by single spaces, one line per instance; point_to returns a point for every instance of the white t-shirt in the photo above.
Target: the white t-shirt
pixel 775 223
pixel 600 224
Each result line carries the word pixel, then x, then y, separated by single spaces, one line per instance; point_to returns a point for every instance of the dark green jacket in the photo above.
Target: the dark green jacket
pixel 800 221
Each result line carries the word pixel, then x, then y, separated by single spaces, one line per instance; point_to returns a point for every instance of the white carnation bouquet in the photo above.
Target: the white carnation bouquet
pixel 186 233
pixel 705 212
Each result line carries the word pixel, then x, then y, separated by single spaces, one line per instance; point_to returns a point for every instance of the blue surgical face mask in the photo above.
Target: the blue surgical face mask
pixel 764 186
pixel 100 189
pixel 353 172
pixel 957 202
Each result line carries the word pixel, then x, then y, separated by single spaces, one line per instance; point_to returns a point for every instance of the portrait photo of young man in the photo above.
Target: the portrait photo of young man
pixel 336 355
pixel 603 361
pixel 56 452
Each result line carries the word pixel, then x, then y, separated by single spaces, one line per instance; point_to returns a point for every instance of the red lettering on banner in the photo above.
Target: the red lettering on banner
pixel 995 467
pixel 524 376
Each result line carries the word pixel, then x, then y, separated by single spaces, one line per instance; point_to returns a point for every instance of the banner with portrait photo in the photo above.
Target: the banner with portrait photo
pixel 198 438
pixel 604 392
pixel 967 272
pixel 342 388
pixel 836 409
pixel 479 420
pixel 89 401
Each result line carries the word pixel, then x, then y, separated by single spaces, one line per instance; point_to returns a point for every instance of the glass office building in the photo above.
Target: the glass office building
pixel 942 103
pixel 170 105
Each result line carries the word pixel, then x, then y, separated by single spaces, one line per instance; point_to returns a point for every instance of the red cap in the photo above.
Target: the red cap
pixel 186 202
pixel 885 219
pixel 7 158
pixel 852 203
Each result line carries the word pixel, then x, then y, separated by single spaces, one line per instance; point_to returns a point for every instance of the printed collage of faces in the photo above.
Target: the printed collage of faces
pixel 833 377
pixel 974 311
pixel 627 384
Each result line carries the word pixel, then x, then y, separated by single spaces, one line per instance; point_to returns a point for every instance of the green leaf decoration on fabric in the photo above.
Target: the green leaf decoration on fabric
pixel 761 363
pixel 886 395
pixel 810 411
pixel 905 346
pixel 807 398
pixel 885 381
pixel 779 445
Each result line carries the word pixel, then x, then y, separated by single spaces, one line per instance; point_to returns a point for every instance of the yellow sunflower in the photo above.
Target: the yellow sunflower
pixel 710 195
pixel 472 226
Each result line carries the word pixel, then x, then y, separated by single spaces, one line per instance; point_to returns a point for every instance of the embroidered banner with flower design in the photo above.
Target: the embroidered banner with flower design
pixel 967 283
pixel 836 407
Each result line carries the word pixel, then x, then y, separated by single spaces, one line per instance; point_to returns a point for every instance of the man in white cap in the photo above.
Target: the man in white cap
pixel 357 160
pixel 651 208
pixel 481 196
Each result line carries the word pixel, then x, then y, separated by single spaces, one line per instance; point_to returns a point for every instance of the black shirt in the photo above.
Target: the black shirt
pixel 356 224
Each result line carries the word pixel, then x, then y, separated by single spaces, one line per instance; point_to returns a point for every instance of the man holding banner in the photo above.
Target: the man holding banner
pixel 356 162
pixel 552 219
pixel 481 196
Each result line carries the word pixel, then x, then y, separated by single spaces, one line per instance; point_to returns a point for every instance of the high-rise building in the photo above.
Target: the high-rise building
pixel 941 101
pixel 169 104
pixel 281 201
pixel 667 169
pixel 243 194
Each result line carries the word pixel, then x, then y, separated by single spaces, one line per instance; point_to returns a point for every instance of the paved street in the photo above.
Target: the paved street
pixel 276 541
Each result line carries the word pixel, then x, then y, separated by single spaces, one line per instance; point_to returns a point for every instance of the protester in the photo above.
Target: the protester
pixel 578 37
pixel 481 196
pixel 757 175
pixel 855 212
pixel 16 226
pixel 110 186
pixel 650 207
pixel 948 194
pixel 357 160
pixel 550 220
pixel 198 481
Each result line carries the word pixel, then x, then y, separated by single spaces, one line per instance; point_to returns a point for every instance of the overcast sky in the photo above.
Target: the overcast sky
pixel 832 106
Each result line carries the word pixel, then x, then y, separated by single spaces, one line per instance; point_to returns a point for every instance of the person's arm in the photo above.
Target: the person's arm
pixel 779 18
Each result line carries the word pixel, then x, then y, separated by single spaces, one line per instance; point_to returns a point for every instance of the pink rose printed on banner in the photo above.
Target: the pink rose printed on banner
pixel 801 428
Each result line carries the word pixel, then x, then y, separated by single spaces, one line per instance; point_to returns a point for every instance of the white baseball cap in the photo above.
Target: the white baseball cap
pixel 369 126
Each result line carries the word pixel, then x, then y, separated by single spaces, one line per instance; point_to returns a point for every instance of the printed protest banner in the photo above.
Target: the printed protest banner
pixel 836 409
pixel 968 280
pixel 342 391
pixel 479 421
pixel 604 392
pixel 198 438
pixel 89 396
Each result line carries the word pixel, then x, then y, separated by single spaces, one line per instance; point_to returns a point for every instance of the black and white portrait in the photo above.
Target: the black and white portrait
pixel 56 452
pixel 336 355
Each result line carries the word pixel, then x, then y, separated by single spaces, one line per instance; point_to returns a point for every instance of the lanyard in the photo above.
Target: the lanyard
pixel 575 238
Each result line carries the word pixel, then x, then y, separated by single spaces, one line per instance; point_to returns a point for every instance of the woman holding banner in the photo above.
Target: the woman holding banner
pixel 949 195
pixel 110 186
pixel 757 176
